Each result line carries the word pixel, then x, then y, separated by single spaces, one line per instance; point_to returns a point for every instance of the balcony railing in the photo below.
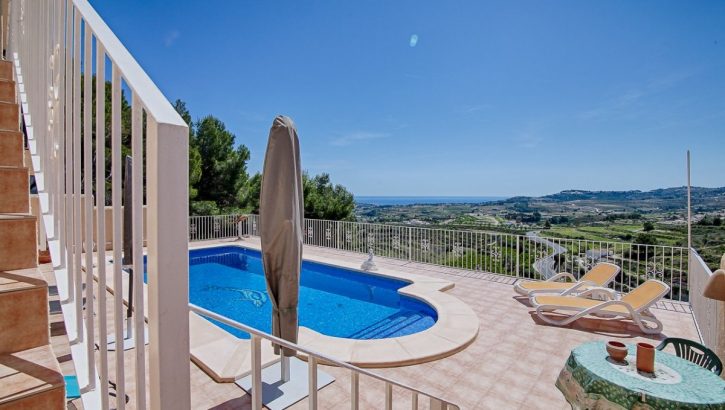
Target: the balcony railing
pixel 313 359
pixel 521 256
pixel 62 51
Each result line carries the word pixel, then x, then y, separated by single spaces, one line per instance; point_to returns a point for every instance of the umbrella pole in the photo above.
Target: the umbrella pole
pixel 284 368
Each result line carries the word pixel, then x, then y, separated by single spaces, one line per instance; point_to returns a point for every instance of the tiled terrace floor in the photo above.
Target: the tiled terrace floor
pixel 512 364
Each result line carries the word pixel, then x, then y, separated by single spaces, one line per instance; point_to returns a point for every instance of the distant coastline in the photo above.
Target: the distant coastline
pixel 424 200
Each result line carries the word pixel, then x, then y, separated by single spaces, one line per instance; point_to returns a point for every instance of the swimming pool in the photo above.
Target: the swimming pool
pixel 334 301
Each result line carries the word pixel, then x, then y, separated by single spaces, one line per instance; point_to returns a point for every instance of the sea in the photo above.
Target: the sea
pixel 425 200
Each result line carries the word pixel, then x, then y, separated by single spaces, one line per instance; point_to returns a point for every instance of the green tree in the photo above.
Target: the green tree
pixel 646 239
pixel 224 168
pixel 203 208
pixel 323 200
pixel 125 133
pixel 194 155
pixel 648 226
pixel 249 194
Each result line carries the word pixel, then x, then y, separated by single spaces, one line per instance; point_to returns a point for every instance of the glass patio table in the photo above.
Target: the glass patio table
pixel 590 379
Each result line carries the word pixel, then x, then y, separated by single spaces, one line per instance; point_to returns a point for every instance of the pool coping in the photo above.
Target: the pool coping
pixel 226 358
pixel 457 325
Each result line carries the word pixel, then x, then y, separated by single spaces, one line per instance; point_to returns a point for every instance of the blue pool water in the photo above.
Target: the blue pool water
pixel 333 301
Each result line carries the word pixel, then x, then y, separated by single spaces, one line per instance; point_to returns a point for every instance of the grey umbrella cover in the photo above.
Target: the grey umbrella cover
pixel 281 210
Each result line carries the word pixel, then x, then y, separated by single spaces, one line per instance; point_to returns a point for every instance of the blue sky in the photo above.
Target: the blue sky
pixel 455 97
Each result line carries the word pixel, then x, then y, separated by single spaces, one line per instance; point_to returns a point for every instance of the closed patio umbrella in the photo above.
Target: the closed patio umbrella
pixel 281 211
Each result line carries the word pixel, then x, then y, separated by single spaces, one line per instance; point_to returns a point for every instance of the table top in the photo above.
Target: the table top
pixel 675 380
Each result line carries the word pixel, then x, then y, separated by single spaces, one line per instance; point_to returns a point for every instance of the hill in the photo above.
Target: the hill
pixel 664 199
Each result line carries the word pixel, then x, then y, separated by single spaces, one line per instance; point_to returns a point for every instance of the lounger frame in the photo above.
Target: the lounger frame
pixel 576 285
pixel 639 316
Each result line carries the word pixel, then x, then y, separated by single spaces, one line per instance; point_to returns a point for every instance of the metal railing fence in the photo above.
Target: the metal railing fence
pixel 313 359
pixel 521 256
pixel 62 52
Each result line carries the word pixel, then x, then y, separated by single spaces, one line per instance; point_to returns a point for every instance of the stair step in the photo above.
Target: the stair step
pixel 6 70
pixel 23 310
pixel 18 241
pixel 7 91
pixel 9 116
pixel 12 149
pixel 14 190
pixel 31 379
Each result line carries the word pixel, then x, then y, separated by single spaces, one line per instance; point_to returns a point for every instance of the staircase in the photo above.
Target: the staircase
pixel 30 377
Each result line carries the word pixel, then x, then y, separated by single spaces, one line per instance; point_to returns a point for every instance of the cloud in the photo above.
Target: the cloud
pixel 413 40
pixel 171 38
pixel 357 136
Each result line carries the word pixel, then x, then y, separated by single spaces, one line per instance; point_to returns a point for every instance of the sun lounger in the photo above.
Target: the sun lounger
pixel 633 306
pixel 599 276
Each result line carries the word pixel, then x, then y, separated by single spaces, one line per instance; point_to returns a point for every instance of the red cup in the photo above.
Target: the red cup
pixel 645 358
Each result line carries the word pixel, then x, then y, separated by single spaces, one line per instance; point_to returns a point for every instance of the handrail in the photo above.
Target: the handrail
pixel 320 356
pixel 151 97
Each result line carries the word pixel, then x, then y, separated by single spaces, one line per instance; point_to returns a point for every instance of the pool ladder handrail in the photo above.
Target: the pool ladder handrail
pixel 313 358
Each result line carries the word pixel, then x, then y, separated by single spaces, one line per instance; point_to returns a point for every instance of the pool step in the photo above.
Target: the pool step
pixel 387 327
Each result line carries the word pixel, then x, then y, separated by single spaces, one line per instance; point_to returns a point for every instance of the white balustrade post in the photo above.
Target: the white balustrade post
pixel 388 396
pixel 517 256
pixel 354 390
pixel 312 381
pixel 256 373
pixel 167 163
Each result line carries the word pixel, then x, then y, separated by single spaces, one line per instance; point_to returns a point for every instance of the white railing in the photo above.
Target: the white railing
pixel 62 51
pixel 521 256
pixel 313 359
pixel 215 227
pixel 709 313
